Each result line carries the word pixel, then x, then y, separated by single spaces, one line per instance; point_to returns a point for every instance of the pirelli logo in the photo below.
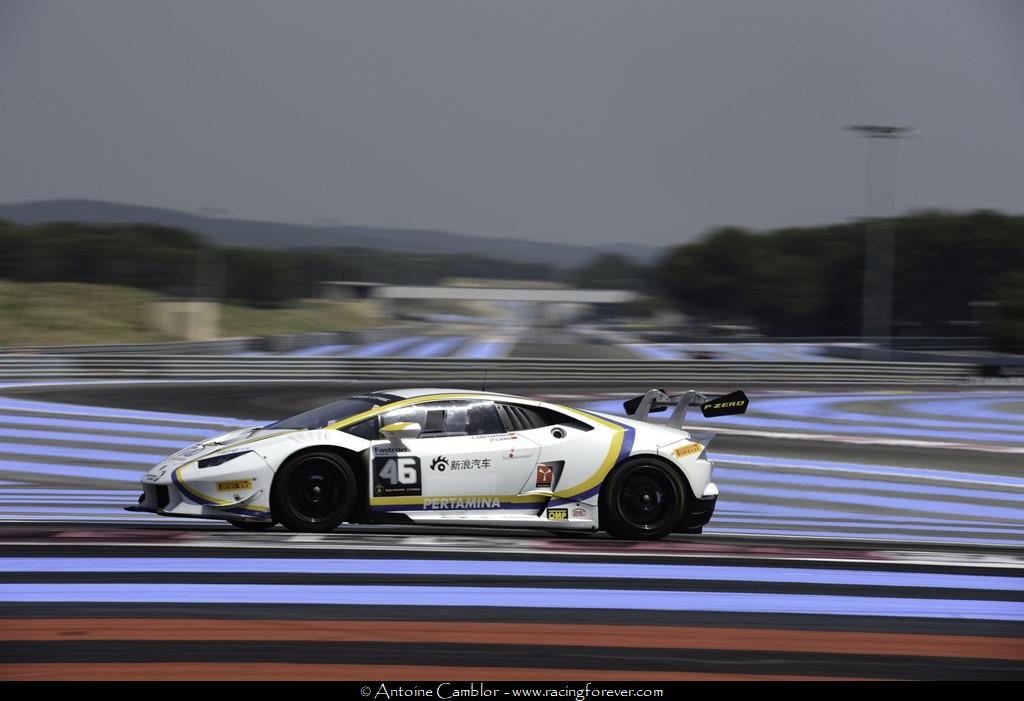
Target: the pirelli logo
pixel 725 405
pixel 734 403
pixel 685 450
pixel 234 486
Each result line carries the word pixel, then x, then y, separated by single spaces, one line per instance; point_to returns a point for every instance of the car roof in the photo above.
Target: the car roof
pixel 416 392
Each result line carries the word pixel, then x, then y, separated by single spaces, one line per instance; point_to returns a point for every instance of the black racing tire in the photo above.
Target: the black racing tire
pixel 314 492
pixel 642 499
pixel 253 525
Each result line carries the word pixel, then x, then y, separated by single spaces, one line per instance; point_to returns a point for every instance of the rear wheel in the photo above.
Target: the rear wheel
pixel 253 525
pixel 314 492
pixel 643 499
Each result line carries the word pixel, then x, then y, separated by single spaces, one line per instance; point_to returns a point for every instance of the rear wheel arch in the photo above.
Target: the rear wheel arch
pixel 609 517
pixel 690 494
pixel 651 457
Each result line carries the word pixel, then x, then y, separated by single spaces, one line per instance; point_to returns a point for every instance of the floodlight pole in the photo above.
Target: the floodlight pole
pixel 879 243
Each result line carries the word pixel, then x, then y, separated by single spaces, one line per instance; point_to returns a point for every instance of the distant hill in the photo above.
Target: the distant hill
pixel 261 234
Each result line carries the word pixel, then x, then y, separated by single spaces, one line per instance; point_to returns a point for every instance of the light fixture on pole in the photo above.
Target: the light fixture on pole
pixel 879 241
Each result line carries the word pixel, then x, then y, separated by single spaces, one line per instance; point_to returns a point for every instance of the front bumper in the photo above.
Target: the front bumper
pixel 237 490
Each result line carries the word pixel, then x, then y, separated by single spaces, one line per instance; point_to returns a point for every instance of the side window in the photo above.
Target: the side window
pixel 366 429
pixel 523 418
pixel 410 414
pixel 482 418
pixel 468 418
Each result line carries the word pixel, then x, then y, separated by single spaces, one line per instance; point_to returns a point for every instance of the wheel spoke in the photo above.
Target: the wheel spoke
pixel 644 499
pixel 315 490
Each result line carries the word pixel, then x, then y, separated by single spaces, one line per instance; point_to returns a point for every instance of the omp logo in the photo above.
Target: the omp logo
pixel 461 503
pixel 687 450
pixel 440 463
pixel 558 514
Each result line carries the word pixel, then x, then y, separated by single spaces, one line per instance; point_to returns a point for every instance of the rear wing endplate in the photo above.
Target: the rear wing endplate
pixel 657 400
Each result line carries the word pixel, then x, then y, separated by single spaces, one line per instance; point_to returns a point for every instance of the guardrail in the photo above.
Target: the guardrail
pixel 456 371
pixel 281 343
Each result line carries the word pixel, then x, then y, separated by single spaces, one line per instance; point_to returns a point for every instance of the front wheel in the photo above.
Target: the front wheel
pixel 314 492
pixel 643 499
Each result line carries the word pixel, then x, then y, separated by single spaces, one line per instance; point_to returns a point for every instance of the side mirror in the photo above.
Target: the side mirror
pixel 398 432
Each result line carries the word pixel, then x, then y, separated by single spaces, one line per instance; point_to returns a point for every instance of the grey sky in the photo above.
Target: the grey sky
pixel 586 121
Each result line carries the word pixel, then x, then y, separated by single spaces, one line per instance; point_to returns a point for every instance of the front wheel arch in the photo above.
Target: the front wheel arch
pixel 315 490
pixel 357 460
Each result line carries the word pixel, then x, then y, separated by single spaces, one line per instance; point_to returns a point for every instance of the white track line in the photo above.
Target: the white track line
pixel 859 440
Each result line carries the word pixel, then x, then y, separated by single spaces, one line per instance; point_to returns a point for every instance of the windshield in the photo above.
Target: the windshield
pixel 335 411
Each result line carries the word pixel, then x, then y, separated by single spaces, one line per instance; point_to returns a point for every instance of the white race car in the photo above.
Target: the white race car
pixel 453 457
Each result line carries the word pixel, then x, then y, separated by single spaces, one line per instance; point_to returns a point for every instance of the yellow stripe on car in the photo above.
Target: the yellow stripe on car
pixel 383 409
pixel 200 497
pixel 609 459
pixel 594 480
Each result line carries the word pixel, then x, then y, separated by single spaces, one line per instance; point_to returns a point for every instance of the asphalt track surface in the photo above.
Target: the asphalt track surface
pixel 863 535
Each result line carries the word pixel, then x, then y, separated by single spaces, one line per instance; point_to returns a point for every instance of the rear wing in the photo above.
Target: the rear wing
pixel 656 400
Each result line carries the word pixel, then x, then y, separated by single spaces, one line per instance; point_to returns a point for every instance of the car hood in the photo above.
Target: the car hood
pixel 211 446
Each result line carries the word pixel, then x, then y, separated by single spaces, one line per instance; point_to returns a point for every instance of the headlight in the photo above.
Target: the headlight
pixel 221 459
pixel 189 451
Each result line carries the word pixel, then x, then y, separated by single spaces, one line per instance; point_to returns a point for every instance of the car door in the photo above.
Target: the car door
pixel 463 461
pixel 571 450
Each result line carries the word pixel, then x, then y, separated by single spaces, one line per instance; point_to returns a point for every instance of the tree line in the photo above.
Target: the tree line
pixel 951 270
pixel 181 263
pixel 954 274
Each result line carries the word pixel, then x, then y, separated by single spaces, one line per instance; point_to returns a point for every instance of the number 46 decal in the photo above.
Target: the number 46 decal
pixel 401 470
pixel 396 476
